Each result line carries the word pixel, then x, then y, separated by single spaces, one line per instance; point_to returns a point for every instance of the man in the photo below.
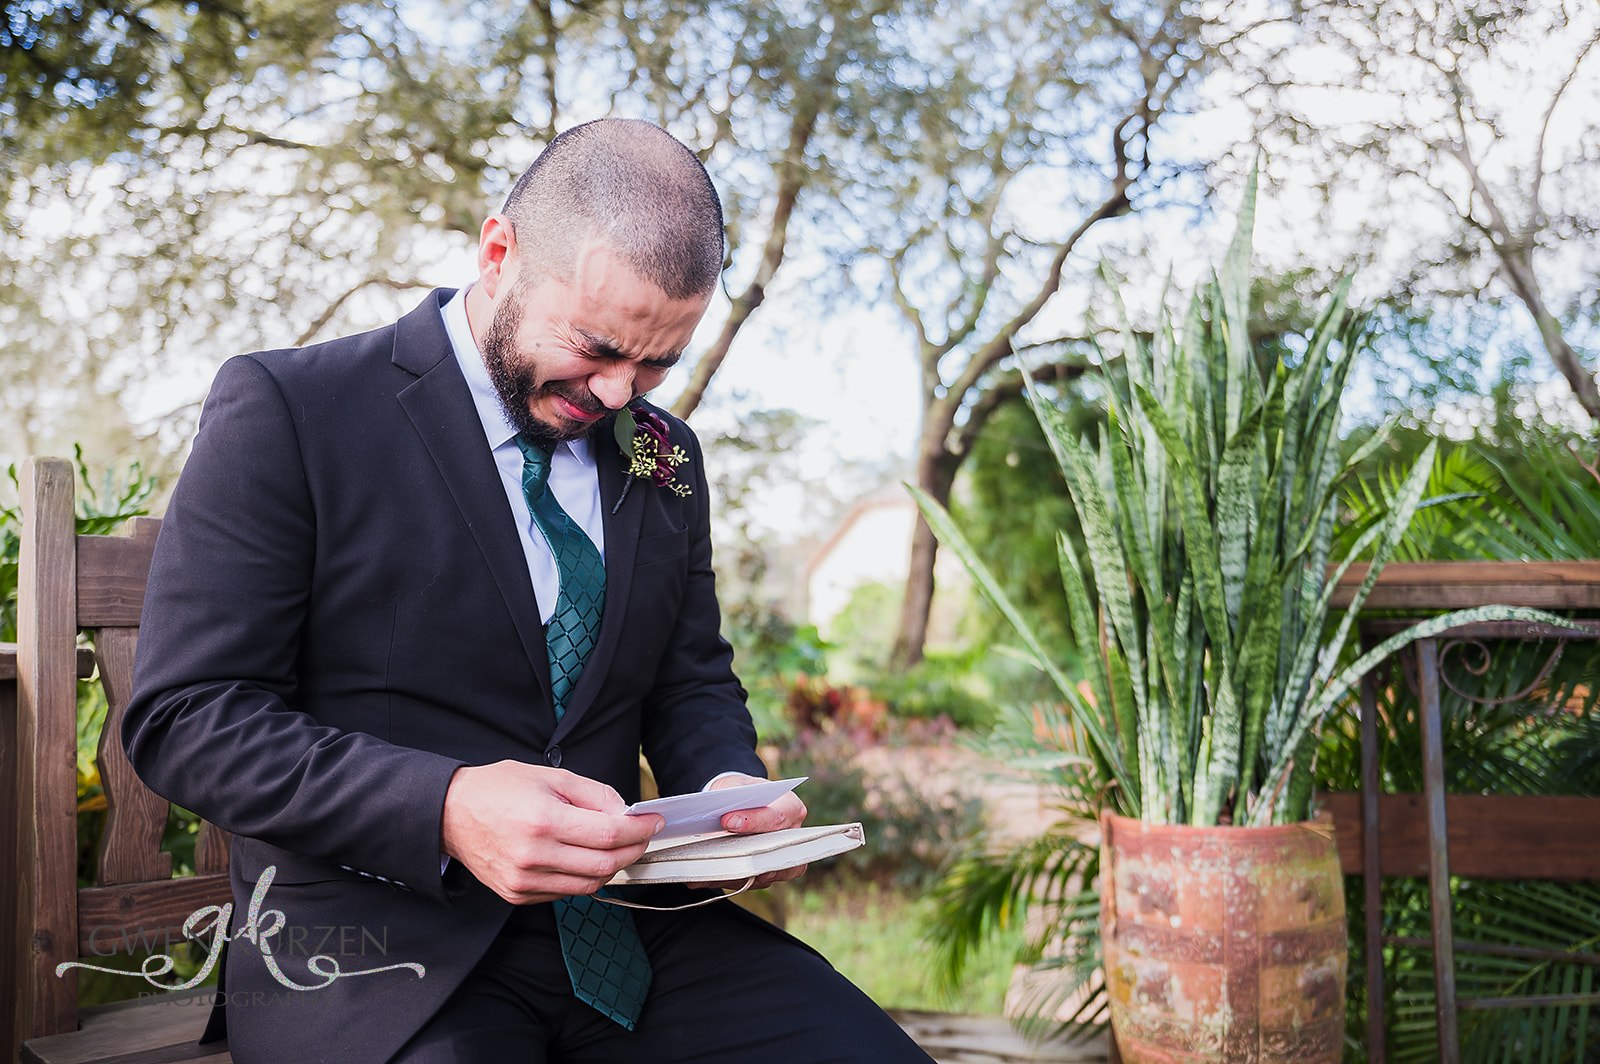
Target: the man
pixel 409 625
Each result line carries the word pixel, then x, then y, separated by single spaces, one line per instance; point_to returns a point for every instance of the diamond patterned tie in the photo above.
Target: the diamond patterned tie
pixel 600 943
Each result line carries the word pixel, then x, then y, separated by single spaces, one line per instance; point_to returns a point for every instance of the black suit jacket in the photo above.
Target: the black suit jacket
pixel 340 614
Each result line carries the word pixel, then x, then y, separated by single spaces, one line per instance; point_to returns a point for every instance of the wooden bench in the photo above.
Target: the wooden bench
pixel 69 584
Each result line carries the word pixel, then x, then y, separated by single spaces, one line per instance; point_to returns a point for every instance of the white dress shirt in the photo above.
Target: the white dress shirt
pixel 573 476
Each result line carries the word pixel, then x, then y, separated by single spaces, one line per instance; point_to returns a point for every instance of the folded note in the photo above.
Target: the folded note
pixel 701 813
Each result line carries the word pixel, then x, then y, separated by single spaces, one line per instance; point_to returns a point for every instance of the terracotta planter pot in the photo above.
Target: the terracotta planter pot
pixel 1224 944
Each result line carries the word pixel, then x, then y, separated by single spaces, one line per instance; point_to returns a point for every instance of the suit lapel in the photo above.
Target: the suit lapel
pixel 440 408
pixel 622 542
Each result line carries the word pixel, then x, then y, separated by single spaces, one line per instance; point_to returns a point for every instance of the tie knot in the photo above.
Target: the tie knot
pixel 535 467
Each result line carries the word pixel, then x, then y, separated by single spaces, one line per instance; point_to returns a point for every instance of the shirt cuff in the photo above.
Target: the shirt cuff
pixel 720 776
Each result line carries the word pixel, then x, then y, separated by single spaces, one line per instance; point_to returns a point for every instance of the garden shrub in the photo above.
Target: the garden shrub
pixel 911 831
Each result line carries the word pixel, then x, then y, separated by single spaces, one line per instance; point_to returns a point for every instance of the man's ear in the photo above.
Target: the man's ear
pixel 497 245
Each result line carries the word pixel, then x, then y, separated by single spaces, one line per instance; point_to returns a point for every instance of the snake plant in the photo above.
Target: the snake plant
pixel 1202 600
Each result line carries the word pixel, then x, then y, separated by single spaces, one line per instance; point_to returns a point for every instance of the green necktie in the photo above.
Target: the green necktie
pixel 600 943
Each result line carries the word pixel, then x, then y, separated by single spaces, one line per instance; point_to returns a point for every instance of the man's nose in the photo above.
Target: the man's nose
pixel 613 386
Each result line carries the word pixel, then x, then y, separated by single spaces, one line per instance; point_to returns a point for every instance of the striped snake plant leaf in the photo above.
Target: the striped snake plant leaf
pixel 1094 652
pixel 1265 575
pixel 1329 499
pixel 1234 284
pixel 1140 542
pixel 1233 514
pixel 1258 667
pixel 1139 530
pixel 1200 407
pixel 1405 507
pixel 1201 538
pixel 1221 768
pixel 1188 647
pixel 1107 561
pixel 1341 685
pixel 1081 617
pixel 1084 715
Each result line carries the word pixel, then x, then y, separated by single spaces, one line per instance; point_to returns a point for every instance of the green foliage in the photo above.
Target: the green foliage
pixel 771 654
pixel 990 890
pixel 90 76
pixel 771 651
pixel 1517 721
pixel 863 631
pixel 941 685
pixel 876 938
pixel 912 830
pixel 101 507
pixel 1200 598
pixel 1011 499
pixel 944 684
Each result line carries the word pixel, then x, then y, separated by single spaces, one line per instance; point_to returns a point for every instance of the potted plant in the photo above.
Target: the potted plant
pixel 1200 605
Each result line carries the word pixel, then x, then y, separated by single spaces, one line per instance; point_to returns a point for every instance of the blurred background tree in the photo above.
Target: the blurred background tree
pixel 187 182
pixel 1457 141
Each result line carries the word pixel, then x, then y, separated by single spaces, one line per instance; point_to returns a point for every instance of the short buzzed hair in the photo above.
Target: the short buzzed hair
pixel 630 183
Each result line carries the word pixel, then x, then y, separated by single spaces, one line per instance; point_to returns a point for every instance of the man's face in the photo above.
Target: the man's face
pixel 562 353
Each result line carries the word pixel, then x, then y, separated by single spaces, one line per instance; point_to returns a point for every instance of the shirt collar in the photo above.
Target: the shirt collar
pixel 496 428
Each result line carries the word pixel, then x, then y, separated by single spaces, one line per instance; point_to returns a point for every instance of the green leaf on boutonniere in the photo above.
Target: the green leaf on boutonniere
pixel 625 428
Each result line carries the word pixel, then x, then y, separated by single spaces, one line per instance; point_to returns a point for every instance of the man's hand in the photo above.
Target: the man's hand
pixel 532 834
pixel 787 812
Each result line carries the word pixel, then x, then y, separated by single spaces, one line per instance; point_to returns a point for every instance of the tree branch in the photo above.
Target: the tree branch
pixel 1544 128
pixel 1003 389
pixel 792 177
pixel 903 301
pixel 340 300
pixel 1000 345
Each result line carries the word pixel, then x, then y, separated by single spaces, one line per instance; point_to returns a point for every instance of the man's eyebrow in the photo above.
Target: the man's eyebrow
pixel 607 348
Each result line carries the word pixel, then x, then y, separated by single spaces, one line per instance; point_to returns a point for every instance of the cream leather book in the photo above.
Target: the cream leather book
pixel 722 856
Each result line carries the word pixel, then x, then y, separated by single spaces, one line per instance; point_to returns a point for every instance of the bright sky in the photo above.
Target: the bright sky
pixel 851 366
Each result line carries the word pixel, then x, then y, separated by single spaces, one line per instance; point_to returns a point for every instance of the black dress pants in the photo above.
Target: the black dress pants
pixel 726 988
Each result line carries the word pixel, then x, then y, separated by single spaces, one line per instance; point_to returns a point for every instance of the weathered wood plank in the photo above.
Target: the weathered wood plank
pixel 211 850
pixel 1460 585
pixel 47 830
pixel 954 1039
pixel 136 817
pixel 8 662
pixel 1490 836
pixel 155 1029
pixel 112 573
pixel 139 915
pixel 10 1037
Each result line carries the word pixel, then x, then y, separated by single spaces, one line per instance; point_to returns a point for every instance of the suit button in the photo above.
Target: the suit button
pixel 552 757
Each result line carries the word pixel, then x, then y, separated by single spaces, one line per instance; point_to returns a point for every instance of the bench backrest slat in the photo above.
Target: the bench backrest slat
pixel 68 583
pixel 47 750
pixel 136 817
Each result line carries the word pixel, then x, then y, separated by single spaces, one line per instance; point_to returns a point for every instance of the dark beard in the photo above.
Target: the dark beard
pixel 515 388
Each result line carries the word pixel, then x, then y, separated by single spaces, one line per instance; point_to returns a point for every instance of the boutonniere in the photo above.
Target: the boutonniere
pixel 648 451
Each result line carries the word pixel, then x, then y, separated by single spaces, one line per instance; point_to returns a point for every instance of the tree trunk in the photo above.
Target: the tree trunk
pixel 792 177
pixel 936 473
pixel 1518 267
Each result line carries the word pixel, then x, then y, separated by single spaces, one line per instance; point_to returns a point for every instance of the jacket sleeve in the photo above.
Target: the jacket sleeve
pixel 210 725
pixel 696 725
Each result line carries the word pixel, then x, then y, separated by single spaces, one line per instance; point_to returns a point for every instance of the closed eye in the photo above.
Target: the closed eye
pixel 597 346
